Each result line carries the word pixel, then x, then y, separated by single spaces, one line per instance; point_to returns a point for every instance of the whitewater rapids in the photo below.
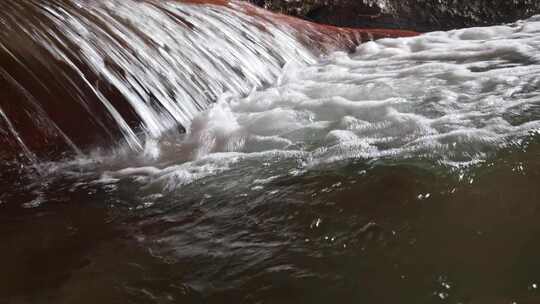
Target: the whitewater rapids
pixel 453 98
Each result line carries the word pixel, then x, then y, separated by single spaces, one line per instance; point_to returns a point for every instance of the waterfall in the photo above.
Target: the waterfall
pixel 76 74
pixel 99 69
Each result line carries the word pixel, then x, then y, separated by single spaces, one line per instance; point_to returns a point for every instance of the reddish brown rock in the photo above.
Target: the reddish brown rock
pixel 419 15
pixel 316 35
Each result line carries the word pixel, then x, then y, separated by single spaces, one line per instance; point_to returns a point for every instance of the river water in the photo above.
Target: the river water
pixel 405 172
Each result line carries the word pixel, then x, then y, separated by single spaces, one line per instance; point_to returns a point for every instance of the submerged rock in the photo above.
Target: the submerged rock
pixel 420 15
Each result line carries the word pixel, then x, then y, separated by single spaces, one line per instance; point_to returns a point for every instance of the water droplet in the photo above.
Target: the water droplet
pixel 144 205
pixel 33 204
pixel 443 295
pixel 422 196
pixel 316 223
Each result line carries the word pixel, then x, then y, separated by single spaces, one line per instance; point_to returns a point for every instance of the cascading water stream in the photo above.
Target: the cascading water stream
pixel 166 62
pixel 75 73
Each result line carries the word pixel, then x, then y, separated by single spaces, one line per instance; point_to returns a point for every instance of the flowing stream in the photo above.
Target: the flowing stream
pixel 404 172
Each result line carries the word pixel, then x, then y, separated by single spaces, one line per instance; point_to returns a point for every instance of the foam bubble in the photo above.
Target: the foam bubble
pixel 444 95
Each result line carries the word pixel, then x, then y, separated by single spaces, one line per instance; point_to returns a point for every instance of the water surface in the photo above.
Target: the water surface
pixel 406 172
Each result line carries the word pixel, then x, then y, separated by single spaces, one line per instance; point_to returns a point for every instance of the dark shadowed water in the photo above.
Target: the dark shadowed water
pixel 361 231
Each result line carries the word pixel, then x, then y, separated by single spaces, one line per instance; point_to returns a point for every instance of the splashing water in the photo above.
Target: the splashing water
pixel 454 98
pixel 168 61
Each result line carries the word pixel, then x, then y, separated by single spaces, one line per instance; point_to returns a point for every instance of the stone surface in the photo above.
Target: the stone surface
pixel 420 15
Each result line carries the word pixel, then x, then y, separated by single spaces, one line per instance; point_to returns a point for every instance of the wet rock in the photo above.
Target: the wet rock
pixel 419 15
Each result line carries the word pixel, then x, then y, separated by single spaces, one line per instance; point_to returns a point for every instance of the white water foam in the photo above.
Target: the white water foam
pixel 453 97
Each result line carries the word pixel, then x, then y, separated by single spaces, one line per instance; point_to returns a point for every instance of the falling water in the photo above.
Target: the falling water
pixel 148 71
